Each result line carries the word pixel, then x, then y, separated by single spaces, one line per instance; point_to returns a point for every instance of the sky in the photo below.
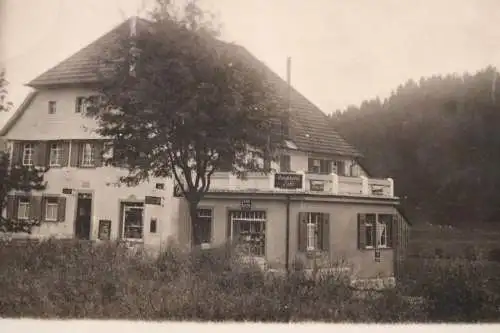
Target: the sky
pixel 342 51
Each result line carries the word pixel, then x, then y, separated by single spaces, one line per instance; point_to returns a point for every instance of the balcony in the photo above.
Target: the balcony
pixel 303 183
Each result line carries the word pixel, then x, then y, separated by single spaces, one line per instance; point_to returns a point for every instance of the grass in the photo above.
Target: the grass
pixel 71 279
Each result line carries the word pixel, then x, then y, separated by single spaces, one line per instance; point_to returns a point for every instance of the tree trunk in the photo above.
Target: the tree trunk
pixel 193 214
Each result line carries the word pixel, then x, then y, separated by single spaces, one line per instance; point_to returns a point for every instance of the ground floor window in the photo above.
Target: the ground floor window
pixel 375 230
pixel 202 227
pixel 248 229
pixel 314 231
pixel 133 221
pixel 51 209
pixel 23 208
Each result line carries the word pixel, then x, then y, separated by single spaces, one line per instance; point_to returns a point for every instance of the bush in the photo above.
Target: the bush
pixel 71 279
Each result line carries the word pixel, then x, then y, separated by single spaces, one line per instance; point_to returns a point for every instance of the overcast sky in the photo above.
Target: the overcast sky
pixel 343 51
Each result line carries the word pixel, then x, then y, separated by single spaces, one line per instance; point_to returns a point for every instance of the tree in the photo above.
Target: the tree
pixel 183 104
pixel 15 177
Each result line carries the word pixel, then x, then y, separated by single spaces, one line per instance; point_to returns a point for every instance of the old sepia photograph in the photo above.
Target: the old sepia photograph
pixel 250 161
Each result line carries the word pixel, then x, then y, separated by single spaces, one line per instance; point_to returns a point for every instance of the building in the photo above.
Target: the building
pixel 320 200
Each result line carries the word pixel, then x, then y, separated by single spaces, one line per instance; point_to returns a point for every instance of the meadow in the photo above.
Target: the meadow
pixel 71 279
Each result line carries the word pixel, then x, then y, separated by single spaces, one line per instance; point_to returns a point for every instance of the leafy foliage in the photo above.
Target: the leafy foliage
pixel 183 104
pixel 15 178
pixel 438 138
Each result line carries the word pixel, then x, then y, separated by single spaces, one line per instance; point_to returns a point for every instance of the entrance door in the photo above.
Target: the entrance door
pixel 83 216
pixel 202 228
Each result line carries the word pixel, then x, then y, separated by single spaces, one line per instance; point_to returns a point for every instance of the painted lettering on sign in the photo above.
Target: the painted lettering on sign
pixel 288 181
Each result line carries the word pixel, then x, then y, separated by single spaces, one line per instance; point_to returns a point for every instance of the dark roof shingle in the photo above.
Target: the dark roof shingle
pixel 309 126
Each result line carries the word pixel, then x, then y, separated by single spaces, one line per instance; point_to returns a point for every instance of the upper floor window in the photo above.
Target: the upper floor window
pixel 285 163
pixel 55 154
pixel 28 154
pixel 322 166
pixel 52 107
pixel 84 104
pixel 88 156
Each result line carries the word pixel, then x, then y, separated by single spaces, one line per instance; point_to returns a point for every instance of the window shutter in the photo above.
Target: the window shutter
pixel 65 153
pixel 98 149
pixel 11 206
pixel 310 165
pixel 61 211
pixel 17 153
pixel 361 231
pixel 41 153
pixel 43 208
pixel 393 232
pixel 228 227
pixel 35 207
pixel 325 232
pixel 75 154
pixel 302 232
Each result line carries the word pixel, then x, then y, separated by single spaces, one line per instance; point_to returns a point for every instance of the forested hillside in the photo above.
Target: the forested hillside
pixel 439 138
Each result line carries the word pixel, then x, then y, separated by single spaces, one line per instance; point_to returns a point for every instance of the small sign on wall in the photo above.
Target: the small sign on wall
pixel 288 181
pixel 246 204
pixel 150 200
pixel 377 255
pixel 104 229
pixel 67 191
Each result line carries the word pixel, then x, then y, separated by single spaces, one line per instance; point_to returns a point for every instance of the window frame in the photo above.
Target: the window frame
pixel 375 229
pixel 26 202
pixel 207 214
pixel 250 251
pixel 59 150
pixel 47 203
pixel 31 148
pixel 132 205
pixel 314 219
pixel 52 107
pixel 317 166
pixel 91 162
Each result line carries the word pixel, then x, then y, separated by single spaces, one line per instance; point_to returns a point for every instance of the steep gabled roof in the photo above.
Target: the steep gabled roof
pixel 309 126
pixel 18 113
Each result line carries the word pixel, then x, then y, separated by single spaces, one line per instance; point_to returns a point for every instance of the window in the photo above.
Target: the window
pixel 314 232
pixel 23 208
pixel 248 229
pixel 28 154
pixel 52 107
pixel 79 105
pixel 133 227
pixel 51 209
pixel 340 168
pixel 320 166
pixel 87 155
pixel 55 154
pixel 202 232
pixel 285 163
pixel 375 230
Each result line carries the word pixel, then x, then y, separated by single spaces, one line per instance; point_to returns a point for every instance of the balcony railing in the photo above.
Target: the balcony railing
pixel 301 182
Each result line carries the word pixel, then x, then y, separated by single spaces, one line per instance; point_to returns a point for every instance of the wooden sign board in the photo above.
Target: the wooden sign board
pixel 67 191
pixel 150 200
pixel 177 191
pixel 288 181
pixel 317 185
pixel 104 229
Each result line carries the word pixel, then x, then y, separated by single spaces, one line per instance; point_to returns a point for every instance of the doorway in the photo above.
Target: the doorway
pixel 83 216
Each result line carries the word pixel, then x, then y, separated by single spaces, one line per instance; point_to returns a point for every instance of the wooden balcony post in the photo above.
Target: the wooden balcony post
pixel 365 190
pixel 391 186
pixel 335 183
pixel 303 179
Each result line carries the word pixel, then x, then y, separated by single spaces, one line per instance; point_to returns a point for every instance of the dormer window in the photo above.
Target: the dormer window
pixel 321 166
pixel 83 104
